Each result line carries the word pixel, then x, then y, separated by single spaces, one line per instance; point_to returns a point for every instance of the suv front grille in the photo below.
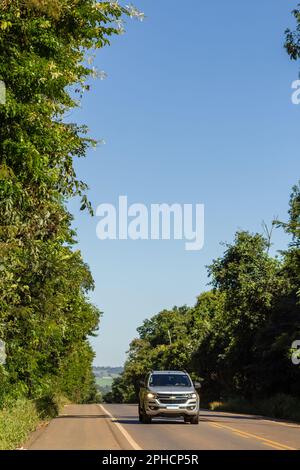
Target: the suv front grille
pixel 175 399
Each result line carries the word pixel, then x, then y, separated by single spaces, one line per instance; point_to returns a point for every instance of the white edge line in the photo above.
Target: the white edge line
pixel 127 436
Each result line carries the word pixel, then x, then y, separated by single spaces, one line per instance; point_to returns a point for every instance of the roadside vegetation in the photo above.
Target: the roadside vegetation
pixel 45 313
pixel 280 406
pixel 16 422
pixel 18 418
pixel 238 336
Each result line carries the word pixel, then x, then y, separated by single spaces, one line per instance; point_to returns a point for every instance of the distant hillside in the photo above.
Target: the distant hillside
pixel 107 371
pixel 105 376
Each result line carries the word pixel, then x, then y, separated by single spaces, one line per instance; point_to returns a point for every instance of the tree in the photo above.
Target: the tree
pixel 250 281
pixel 210 340
pixel 292 38
pixel 45 314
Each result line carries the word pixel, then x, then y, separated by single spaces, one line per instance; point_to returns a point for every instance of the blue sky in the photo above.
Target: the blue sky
pixel 196 109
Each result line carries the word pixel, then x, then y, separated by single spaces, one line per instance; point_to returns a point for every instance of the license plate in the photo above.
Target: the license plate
pixel 172 407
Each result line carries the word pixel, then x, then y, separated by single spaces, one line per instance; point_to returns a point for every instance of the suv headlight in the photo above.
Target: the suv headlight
pixel 193 395
pixel 151 395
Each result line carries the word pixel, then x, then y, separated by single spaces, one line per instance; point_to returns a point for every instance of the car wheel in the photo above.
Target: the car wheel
pixel 195 419
pixel 146 419
pixel 140 414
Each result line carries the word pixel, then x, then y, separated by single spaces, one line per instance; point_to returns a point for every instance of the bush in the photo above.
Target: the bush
pixel 236 405
pixel 50 405
pixel 281 406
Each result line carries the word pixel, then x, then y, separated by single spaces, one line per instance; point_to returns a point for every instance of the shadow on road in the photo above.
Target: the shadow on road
pixel 81 417
pixel 154 422
pixel 119 419
pixel 211 416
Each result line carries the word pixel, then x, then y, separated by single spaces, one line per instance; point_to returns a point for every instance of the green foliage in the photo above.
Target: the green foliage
pixel 292 43
pixel 104 379
pixel 250 281
pixel 162 344
pixel 45 313
pixel 16 422
pixel 279 406
pixel 238 336
pixel 235 405
pixel 18 418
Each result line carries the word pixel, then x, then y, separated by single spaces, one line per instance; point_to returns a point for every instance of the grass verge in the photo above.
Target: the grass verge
pixel 16 422
pixel 19 418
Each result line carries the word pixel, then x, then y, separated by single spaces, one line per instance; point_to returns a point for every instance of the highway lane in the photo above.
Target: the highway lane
pixel 116 427
pixel 216 431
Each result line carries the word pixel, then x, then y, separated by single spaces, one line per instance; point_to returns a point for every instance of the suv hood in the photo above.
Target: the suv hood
pixel 172 390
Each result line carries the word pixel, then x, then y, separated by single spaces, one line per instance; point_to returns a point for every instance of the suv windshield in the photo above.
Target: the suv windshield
pixel 167 380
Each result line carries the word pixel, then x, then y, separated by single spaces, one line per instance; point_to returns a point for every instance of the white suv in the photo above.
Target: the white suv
pixel 169 394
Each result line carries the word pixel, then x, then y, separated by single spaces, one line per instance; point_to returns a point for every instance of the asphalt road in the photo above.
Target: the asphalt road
pixel 116 427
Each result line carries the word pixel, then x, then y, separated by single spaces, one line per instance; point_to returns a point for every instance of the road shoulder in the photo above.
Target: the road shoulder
pixel 79 427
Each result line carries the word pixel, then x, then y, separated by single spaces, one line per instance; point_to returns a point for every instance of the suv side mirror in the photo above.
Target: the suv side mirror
pixel 197 385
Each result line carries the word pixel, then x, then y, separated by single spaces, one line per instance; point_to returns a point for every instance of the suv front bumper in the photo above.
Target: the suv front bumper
pixel 154 407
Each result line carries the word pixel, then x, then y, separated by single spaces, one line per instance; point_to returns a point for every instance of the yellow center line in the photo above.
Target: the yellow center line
pixel 274 447
pixel 241 435
pixel 215 425
pixel 254 436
